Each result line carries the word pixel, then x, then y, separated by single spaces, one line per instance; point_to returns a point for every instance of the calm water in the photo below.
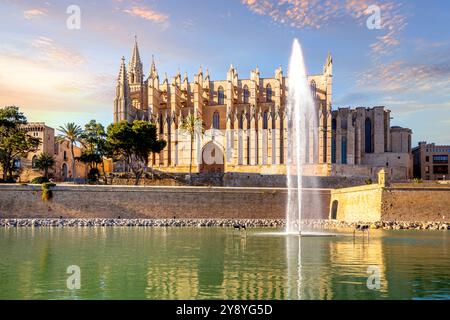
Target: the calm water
pixel 140 263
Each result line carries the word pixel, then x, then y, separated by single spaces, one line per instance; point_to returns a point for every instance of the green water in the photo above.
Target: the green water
pixel 144 263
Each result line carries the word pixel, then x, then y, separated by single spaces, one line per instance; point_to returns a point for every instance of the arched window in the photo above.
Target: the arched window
pixel 246 94
pixel 269 93
pixel 313 89
pixel 220 96
pixel 241 120
pixel 33 161
pixel 216 120
pixel 344 150
pixel 265 120
pixel 64 171
pixel 368 134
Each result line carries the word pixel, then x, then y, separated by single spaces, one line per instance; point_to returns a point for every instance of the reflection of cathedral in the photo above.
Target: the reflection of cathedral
pixel 246 123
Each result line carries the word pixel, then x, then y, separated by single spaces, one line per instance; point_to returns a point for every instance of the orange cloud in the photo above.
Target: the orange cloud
pixel 148 14
pixel 33 13
pixel 49 49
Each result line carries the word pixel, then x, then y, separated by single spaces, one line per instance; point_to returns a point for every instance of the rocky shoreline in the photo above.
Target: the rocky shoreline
pixel 224 223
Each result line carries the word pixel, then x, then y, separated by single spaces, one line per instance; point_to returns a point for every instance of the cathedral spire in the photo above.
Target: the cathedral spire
pixel 136 74
pixel 122 99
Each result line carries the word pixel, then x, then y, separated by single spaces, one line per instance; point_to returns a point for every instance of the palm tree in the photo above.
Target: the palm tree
pixel 71 132
pixel 192 125
pixel 44 162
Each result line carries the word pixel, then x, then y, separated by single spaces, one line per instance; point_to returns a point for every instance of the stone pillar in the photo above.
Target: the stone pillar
pixel 350 139
pixel 328 134
pixel 253 137
pixel 378 127
pixel 245 140
pixel 271 152
pixel 237 147
pixel 338 138
pixel 276 137
pixel 261 133
pixel 285 132
pixel 382 178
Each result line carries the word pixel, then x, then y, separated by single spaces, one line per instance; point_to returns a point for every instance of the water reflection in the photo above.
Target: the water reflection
pixel 141 263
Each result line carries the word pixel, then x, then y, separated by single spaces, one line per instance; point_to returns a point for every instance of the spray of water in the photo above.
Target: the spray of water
pixel 302 134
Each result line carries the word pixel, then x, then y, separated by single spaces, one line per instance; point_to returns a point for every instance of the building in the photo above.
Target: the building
pixel 363 142
pixel 431 161
pixel 247 128
pixel 59 150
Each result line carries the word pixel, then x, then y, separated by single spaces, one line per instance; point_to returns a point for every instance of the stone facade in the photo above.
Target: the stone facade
pixel 247 127
pixel 363 142
pixel 59 150
pixel 431 161
pixel 397 202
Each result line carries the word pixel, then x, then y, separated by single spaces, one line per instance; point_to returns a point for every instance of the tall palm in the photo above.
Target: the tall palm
pixel 192 125
pixel 45 162
pixel 70 132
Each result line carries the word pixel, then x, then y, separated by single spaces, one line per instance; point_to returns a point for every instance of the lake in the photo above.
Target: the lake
pixel 220 263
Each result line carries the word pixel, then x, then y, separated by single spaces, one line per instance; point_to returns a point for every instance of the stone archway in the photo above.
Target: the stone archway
pixel 64 172
pixel 334 209
pixel 213 160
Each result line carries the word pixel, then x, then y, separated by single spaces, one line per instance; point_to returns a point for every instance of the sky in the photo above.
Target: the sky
pixel 57 74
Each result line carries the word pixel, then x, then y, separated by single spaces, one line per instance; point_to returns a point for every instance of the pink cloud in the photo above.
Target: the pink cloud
pixel 319 14
pixel 33 13
pixel 148 14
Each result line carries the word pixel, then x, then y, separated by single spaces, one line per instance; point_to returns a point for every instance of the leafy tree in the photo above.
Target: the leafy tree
pixel 45 162
pixel 14 140
pixel 192 125
pixel 134 143
pixel 70 132
pixel 96 146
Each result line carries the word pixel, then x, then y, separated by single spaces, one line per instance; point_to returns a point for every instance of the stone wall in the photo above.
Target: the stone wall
pixel 153 202
pixel 421 202
pixel 398 202
pixel 356 204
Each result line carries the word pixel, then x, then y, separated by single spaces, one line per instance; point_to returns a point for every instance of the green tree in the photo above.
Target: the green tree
pixel 14 140
pixel 45 162
pixel 133 143
pixel 192 125
pixel 96 146
pixel 70 132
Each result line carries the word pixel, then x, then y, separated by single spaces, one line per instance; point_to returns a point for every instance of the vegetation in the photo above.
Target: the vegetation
pixel 14 140
pixel 45 162
pixel 39 180
pixel 369 181
pixel 133 143
pixel 96 149
pixel 70 132
pixel 47 193
pixel 417 180
pixel 192 125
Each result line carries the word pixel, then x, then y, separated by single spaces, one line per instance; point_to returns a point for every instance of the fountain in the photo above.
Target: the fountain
pixel 302 124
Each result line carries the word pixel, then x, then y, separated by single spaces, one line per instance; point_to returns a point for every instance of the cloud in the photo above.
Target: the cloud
pixel 148 14
pixel 50 50
pixel 319 14
pixel 33 13
pixel 403 76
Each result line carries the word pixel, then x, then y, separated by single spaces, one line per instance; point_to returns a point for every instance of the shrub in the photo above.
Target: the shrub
pixel 47 193
pixel 417 180
pixel 39 180
pixel 93 175
pixel 369 181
